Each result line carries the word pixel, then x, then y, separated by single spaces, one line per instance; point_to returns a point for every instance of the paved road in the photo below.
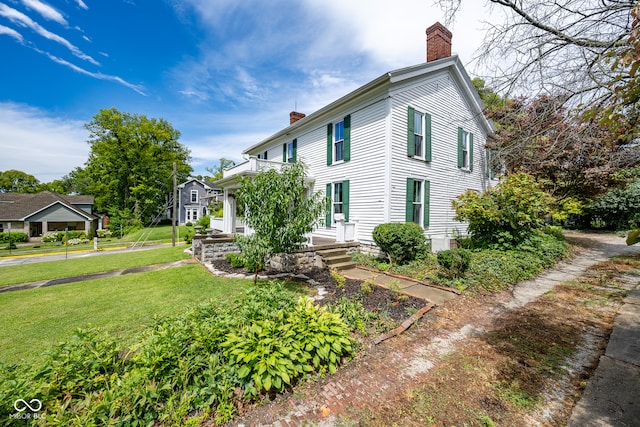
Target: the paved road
pixel 17 260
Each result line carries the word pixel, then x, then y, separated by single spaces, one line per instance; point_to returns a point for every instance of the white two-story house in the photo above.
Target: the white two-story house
pixel 397 149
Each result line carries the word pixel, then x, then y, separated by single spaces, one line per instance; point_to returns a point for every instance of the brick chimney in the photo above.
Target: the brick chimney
pixel 438 42
pixel 294 116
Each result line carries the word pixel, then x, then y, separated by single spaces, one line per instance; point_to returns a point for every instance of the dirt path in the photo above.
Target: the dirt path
pixel 475 361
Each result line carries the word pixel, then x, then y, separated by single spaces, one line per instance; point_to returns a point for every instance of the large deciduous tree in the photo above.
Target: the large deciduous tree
pixel 588 50
pixel 130 163
pixel 15 181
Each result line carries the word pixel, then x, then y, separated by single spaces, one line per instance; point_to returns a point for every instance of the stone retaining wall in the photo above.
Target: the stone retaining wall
pixel 211 247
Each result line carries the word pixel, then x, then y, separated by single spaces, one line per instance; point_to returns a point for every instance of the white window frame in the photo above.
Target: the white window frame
pixel 418 134
pixel 194 193
pixel 418 201
pixel 465 149
pixel 337 205
pixel 290 152
pixel 338 143
pixel 263 155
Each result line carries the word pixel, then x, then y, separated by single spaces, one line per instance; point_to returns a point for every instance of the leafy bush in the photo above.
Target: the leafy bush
pixel 51 236
pixel 633 237
pixel 274 353
pixel 506 215
pixel 401 241
pixel 16 237
pixel 454 261
pixel 235 260
pixel 619 209
pixel 104 234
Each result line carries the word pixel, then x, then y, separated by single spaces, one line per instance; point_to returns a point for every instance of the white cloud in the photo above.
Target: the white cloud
pixel 81 5
pixel 11 33
pixel 23 20
pixel 41 145
pixel 45 11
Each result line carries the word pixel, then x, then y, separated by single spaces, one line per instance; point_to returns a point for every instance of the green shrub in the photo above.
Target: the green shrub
pixel 633 237
pixel 235 260
pixel 16 237
pixel 401 241
pixel 619 209
pixel 454 261
pixel 505 215
pixel 51 236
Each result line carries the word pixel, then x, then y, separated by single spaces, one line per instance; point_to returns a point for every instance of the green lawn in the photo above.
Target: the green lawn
pixel 32 321
pixel 73 267
pixel 158 233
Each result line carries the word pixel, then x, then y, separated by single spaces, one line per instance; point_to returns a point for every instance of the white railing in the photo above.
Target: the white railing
pixel 252 165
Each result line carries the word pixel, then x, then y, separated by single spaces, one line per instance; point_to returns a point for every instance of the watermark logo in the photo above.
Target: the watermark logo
pixel 27 410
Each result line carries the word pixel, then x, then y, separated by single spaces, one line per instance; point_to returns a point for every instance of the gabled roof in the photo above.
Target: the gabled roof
pixel 385 83
pixel 18 206
pixel 206 184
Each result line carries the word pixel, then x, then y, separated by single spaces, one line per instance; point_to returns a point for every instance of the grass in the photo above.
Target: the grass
pixel 32 321
pixel 73 267
pixel 159 233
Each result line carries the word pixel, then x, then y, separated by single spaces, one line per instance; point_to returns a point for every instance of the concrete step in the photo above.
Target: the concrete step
pixel 343 266
pixel 336 259
pixel 331 252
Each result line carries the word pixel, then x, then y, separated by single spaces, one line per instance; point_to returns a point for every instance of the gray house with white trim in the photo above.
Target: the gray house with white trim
pixel 36 214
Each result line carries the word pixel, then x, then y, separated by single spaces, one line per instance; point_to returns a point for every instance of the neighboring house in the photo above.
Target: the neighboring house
pixel 194 197
pixel 36 214
pixel 397 149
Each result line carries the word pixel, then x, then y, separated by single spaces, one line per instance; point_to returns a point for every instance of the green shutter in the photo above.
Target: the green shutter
pixel 411 141
pixel 471 152
pixel 409 206
pixel 460 159
pixel 345 199
pixel 295 150
pixel 427 137
pixel 284 153
pixel 347 139
pixel 329 144
pixel 427 203
pixel 328 212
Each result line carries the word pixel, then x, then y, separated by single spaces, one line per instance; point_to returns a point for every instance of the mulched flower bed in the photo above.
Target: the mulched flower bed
pixel 379 300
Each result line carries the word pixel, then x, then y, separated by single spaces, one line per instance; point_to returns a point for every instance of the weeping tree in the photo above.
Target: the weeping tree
pixel 280 207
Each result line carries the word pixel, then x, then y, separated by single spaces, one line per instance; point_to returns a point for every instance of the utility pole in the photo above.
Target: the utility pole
pixel 175 206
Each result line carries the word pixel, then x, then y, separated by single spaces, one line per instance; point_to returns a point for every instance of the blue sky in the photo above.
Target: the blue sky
pixel 225 73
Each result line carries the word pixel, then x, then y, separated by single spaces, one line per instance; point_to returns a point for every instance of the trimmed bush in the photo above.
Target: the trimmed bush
pixel 402 241
pixel 16 237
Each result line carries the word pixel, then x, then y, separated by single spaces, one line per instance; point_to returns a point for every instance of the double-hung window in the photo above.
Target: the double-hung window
pixel 417 201
pixel 338 144
pixel 194 196
pixel 289 151
pixel 465 150
pixel 338 201
pixel 339 141
pixel 418 134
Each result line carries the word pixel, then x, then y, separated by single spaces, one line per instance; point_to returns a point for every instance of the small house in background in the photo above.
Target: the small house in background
pixel 37 214
pixel 400 148
pixel 194 198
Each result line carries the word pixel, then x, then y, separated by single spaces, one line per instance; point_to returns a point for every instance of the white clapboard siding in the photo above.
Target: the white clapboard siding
pixel 379 165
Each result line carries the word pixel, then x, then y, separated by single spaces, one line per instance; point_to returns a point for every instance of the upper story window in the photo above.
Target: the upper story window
pixel 194 196
pixel 289 151
pixel 339 141
pixel 263 155
pixel 338 144
pixel 419 135
pixel 465 150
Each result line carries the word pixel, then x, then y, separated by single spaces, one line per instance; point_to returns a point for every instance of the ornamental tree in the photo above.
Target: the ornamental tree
pixel 281 208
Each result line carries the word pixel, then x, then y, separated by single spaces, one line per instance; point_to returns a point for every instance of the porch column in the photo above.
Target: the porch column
pixel 229 213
